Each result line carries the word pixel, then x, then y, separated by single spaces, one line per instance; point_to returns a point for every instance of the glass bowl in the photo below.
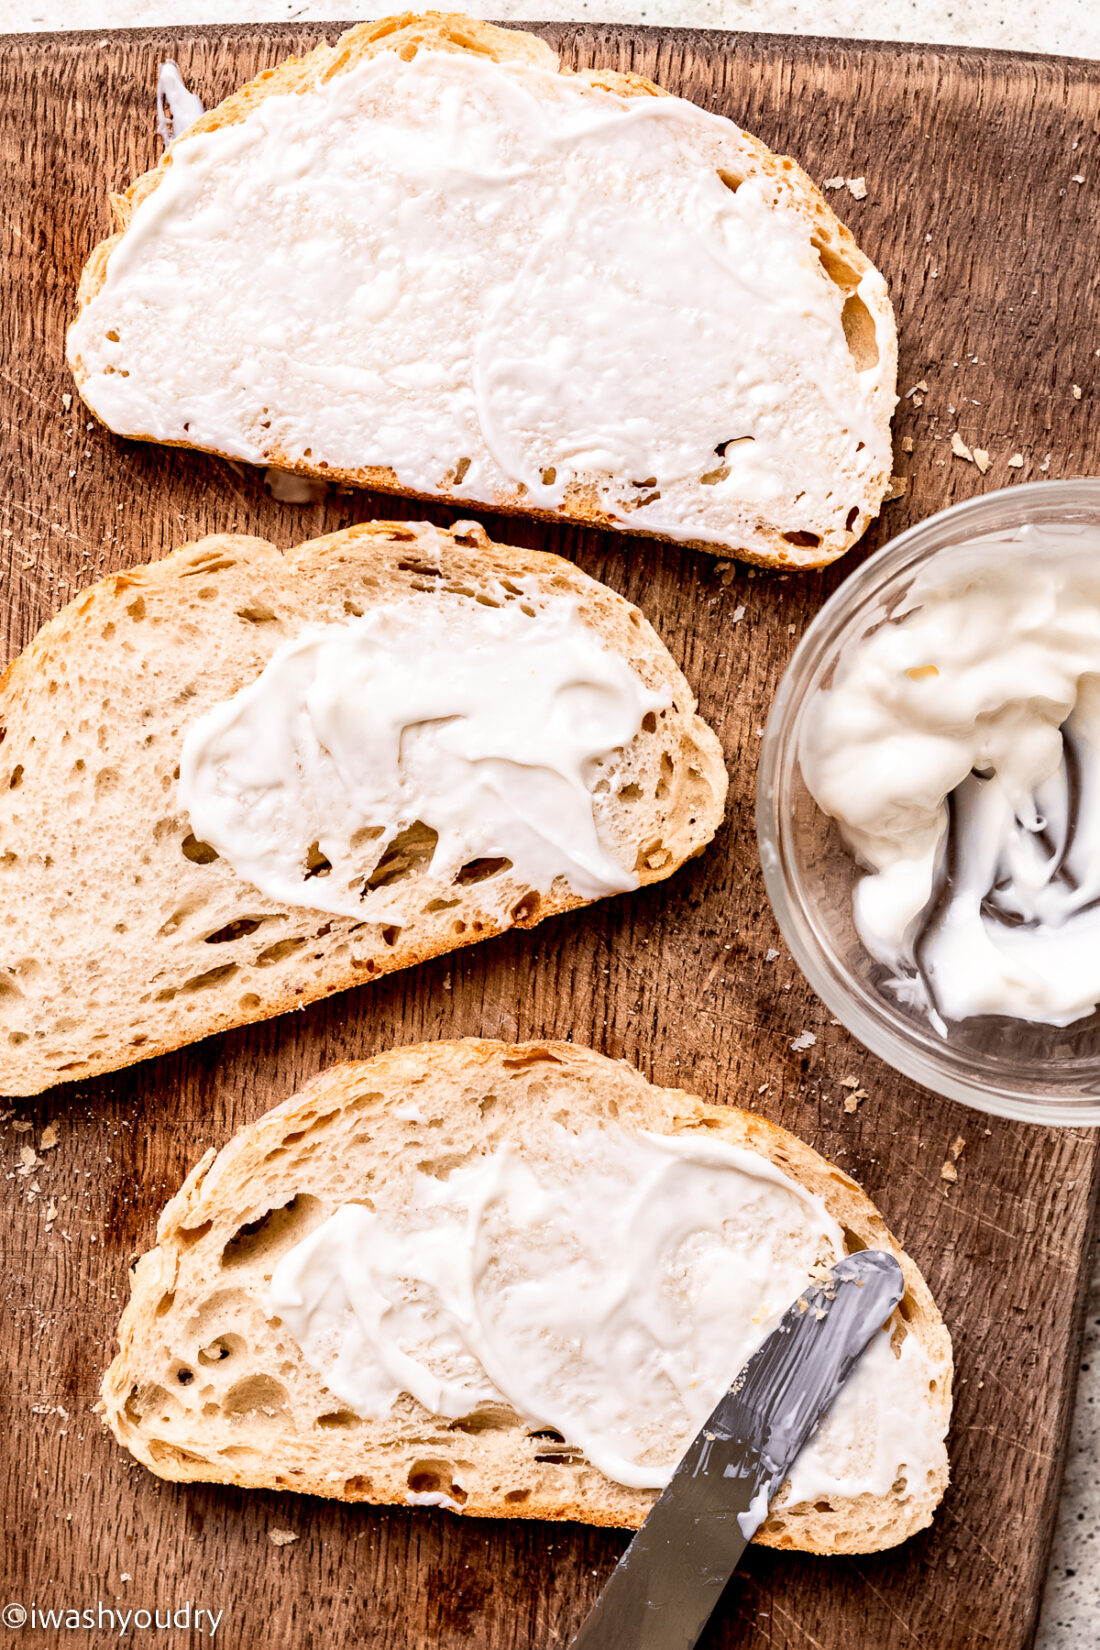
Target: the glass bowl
pixel 1011 1068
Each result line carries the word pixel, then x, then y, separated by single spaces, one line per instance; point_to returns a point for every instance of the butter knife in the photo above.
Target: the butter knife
pixel 664 1588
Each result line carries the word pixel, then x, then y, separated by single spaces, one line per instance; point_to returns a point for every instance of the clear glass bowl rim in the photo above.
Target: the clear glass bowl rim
pixel 1041 1092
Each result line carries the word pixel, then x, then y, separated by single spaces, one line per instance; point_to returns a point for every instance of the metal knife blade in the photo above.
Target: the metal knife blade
pixel 664 1588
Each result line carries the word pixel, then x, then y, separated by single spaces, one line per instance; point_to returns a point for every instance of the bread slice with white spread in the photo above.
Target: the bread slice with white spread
pixel 237 779
pixel 433 260
pixel 512 1280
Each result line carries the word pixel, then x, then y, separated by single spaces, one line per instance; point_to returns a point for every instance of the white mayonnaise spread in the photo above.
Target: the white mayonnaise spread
pixel 487 276
pixel 957 748
pixel 610 1287
pixel 481 723
pixel 177 108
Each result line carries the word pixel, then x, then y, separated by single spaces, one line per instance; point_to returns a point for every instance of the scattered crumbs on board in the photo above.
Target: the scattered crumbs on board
pixel 949 1172
pixel 973 455
pixel 856 187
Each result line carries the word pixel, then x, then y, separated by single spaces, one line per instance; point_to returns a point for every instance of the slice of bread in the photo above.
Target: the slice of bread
pixel 210 1384
pixel 124 935
pixel 432 260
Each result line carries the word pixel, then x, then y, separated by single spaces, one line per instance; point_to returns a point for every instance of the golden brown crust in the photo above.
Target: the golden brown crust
pixel 222 1190
pixel 441 31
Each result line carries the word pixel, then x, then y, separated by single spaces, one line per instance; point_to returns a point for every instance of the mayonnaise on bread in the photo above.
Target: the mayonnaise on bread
pixel 500 282
pixel 957 747
pixel 481 724
pixel 609 1286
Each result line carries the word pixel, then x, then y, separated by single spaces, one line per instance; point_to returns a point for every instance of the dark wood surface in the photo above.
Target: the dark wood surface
pixel 990 248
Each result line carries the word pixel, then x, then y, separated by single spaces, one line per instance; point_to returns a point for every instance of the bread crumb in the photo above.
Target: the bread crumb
pixel 1016 462
pixel 981 459
pixel 921 389
pixel 281 1538
pixel 899 486
pixel 959 447
pixel 770 954
pixel 857 188
pixel 852 1101
pixel 126 1576
pixel 949 1172
pixel 1077 177
pixel 958 1146
pixel 28 1160
pixel 738 615
pixel 833 183
pixel 51 1212
pixel 49 1138
pixel 803 1041
pixel 19 1127
pixel 66 401
pixel 1077 392
pixel 907 443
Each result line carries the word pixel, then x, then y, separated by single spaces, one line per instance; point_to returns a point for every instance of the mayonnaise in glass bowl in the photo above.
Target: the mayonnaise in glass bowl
pixel 928 804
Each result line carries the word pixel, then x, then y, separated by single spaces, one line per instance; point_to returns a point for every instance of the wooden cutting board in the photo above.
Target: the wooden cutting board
pixel 976 211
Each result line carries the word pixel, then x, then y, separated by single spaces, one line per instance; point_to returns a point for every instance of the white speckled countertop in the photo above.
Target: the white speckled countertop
pixel 1073 27
pixel 1071 1606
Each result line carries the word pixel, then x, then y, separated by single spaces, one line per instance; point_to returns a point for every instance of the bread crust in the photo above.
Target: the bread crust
pixel 37 691
pixel 841 257
pixel 230 1188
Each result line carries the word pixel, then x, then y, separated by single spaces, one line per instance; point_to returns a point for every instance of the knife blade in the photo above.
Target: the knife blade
pixel 664 1588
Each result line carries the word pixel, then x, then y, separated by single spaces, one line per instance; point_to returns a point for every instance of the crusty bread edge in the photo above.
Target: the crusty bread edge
pixel 863 1225
pixel 507 559
pixel 457 32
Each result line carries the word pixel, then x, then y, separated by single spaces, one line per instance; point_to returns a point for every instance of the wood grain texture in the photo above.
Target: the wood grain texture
pixel 989 246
